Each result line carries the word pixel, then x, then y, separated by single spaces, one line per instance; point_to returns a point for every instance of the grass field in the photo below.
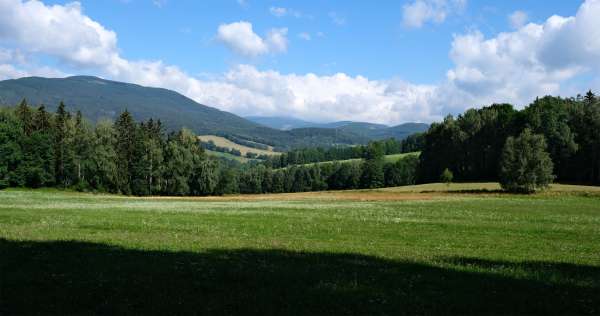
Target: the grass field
pixel 224 142
pixel 428 249
pixel 228 156
pixel 388 158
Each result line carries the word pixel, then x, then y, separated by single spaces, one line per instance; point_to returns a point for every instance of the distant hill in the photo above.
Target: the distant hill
pixel 363 130
pixel 98 98
pixel 280 122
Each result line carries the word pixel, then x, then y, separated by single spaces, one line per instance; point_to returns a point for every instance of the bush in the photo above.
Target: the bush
pixel 447 176
pixel 526 166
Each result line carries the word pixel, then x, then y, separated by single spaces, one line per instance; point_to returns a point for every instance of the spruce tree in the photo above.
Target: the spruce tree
pixel 125 129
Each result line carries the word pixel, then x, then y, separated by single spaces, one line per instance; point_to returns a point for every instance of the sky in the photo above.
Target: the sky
pixel 377 61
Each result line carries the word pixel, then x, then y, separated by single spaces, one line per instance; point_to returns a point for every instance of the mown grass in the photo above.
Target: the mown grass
pixel 388 158
pixel 224 142
pixel 229 156
pixel 74 253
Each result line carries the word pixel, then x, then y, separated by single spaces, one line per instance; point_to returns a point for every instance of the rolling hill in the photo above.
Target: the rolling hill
pixel 363 129
pixel 98 98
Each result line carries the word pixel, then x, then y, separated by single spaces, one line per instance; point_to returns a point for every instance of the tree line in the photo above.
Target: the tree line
pixel 412 143
pixel 551 139
pixel 477 145
pixel 42 149
pixel 61 149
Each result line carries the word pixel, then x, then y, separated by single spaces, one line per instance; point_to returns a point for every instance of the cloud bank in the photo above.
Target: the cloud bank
pixel 535 59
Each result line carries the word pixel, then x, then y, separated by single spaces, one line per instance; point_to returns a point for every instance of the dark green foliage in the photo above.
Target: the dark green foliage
pixel 402 172
pixel 309 155
pixel 11 132
pixel 373 175
pixel 63 146
pixel 550 117
pixel 526 166
pixel 97 98
pixel 43 149
pixel 471 145
pixel 125 148
pixel 64 150
pixel 447 176
pixel 227 182
pixel 103 161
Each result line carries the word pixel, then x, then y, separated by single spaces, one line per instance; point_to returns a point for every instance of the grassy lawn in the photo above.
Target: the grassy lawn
pixel 391 251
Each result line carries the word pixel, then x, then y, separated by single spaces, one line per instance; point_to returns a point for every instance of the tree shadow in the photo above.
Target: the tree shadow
pixel 69 277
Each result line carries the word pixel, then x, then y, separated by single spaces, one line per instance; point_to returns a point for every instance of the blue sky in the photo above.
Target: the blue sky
pixel 372 42
pixel 381 61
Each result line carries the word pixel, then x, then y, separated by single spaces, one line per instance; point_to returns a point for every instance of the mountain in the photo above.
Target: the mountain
pixel 364 130
pixel 377 131
pixel 98 98
pixel 280 122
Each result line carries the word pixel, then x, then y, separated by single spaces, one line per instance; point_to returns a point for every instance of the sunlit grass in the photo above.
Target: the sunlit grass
pixel 487 234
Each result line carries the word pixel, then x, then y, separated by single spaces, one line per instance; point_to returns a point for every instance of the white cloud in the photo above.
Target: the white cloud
pixel 281 12
pixel 419 12
pixel 277 11
pixel 62 31
pixel 536 59
pixel 517 19
pixel 337 18
pixel 305 36
pixel 240 38
pixel 277 41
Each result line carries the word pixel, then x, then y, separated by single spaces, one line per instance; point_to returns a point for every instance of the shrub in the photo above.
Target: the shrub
pixel 447 176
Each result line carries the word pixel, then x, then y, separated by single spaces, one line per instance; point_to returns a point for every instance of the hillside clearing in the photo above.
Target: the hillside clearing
pixel 431 253
pixel 228 156
pixel 388 158
pixel 224 142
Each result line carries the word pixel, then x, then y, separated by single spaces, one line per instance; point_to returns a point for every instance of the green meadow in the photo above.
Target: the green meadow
pixel 420 250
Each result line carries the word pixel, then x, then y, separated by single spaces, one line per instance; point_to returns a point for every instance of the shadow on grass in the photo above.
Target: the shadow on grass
pixel 88 278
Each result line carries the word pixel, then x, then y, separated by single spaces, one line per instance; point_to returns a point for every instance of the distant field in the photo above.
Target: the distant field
pixel 228 156
pixel 411 250
pixel 224 142
pixel 388 158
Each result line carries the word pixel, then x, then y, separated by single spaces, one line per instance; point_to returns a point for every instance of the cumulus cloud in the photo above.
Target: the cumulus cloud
pixel 419 12
pixel 240 37
pixel 337 18
pixel 60 30
pixel 517 19
pixel 535 59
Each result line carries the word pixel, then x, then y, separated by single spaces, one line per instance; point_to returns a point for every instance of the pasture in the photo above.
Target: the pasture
pixel 224 142
pixel 431 249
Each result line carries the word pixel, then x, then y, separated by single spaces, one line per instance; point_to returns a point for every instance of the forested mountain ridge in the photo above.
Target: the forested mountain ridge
pixel 98 98
pixel 552 139
pixel 371 131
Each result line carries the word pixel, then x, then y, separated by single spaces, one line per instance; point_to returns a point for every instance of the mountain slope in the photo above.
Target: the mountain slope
pixel 98 98
pixel 280 122
pixel 360 129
